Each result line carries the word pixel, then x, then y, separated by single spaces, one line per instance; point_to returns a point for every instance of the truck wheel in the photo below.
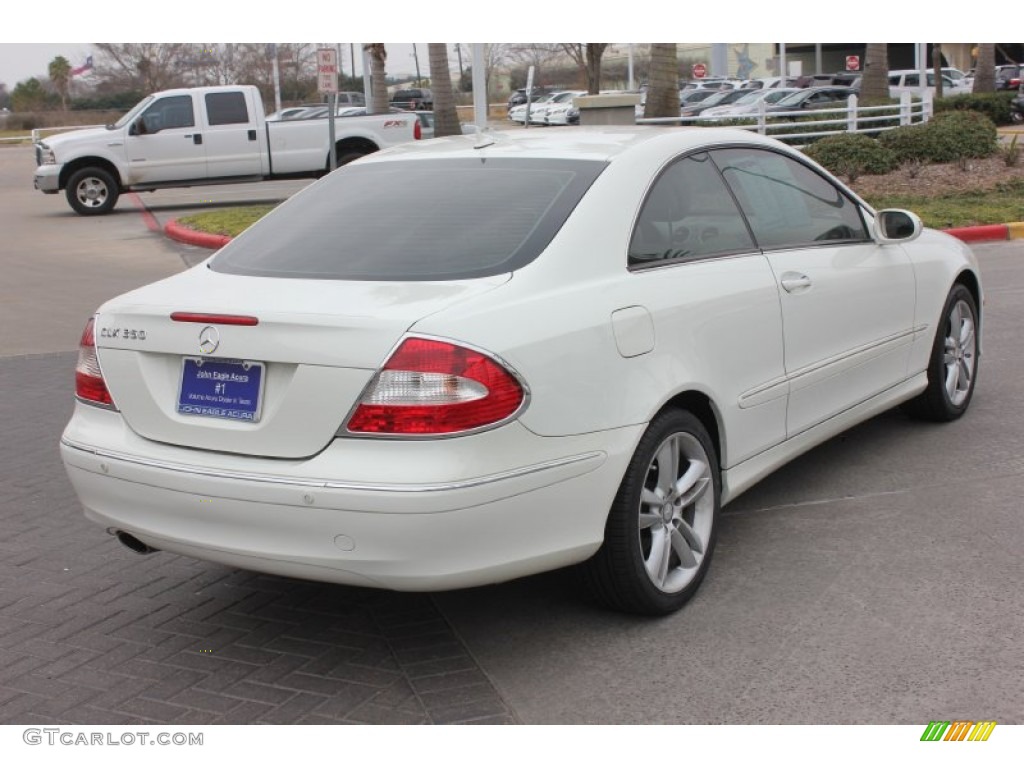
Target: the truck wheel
pixel 92 191
pixel 347 157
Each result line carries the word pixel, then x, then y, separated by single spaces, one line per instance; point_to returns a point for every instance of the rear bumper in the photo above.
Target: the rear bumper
pixel 319 520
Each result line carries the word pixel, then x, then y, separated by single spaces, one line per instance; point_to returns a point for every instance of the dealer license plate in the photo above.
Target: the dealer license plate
pixel 221 389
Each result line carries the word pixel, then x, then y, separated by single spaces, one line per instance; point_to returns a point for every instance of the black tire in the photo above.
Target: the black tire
pixel 92 191
pixel 620 574
pixel 953 365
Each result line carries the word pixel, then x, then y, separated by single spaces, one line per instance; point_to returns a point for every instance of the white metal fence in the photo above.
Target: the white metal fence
pixel 37 133
pixel 852 118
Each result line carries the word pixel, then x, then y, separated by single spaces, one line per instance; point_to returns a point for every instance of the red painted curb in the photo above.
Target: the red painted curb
pixel 980 234
pixel 183 234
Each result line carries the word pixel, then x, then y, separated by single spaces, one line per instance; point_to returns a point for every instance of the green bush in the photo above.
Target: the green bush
pixel 853 154
pixel 947 137
pixel 995 106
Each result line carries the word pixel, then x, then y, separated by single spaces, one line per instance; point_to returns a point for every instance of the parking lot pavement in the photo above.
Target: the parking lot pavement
pixel 92 633
pixel 876 579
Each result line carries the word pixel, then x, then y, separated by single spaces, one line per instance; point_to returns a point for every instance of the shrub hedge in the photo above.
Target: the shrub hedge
pixel 853 154
pixel 948 136
pixel 995 106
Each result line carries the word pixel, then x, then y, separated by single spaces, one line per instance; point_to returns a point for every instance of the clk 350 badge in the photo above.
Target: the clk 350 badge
pixel 128 334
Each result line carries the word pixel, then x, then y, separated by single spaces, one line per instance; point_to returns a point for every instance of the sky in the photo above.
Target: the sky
pixel 26 50
pixel 20 61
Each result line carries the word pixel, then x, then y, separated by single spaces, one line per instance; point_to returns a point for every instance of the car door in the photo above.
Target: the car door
pixel 713 304
pixel 847 302
pixel 164 144
pixel 234 146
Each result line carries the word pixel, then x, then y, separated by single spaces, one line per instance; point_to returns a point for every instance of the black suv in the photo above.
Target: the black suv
pixel 413 98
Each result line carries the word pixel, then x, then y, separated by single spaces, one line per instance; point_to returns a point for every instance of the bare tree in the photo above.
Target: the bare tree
pixel 60 76
pixel 663 82
pixel 985 71
pixel 588 58
pixel 378 77
pixel 145 66
pixel 875 85
pixel 446 117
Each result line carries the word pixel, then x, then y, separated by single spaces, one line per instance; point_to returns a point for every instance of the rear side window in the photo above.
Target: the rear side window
pixel 688 215
pixel 226 108
pixel 431 219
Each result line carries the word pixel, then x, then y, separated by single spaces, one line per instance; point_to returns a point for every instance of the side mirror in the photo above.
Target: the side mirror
pixel 897 226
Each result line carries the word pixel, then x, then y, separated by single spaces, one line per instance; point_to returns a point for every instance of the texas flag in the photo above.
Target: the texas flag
pixel 76 71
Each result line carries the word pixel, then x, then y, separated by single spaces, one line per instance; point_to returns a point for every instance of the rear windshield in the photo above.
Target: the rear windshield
pixel 432 219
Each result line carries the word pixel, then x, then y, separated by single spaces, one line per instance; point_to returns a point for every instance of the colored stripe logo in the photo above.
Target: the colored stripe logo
pixel 958 730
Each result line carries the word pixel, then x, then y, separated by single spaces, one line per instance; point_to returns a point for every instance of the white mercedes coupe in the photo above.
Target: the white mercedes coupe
pixel 464 361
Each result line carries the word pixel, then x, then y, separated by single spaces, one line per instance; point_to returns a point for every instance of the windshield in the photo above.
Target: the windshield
pixel 133 112
pixel 718 98
pixel 372 221
pixel 794 99
pixel 751 98
pixel 776 96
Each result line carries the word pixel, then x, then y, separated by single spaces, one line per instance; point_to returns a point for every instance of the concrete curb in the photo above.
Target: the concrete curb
pixel 183 234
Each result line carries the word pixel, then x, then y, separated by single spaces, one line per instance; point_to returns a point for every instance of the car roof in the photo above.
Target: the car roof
pixel 602 143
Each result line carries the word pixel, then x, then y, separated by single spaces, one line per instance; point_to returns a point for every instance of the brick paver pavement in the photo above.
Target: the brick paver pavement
pixel 91 633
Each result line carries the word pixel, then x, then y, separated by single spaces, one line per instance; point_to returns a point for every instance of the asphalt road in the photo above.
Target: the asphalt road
pixel 877 579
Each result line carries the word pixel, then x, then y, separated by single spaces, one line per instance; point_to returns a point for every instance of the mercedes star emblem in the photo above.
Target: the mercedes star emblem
pixel 209 340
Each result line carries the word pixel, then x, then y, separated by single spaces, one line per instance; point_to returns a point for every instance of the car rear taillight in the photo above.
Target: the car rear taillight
pixel 89 384
pixel 433 387
pixel 417 131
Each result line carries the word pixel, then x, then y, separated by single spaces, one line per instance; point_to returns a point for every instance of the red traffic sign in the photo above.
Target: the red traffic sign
pixel 699 70
pixel 852 63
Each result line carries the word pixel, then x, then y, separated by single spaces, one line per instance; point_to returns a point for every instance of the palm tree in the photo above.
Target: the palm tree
pixel 875 85
pixel 937 68
pixel 60 76
pixel 378 77
pixel 663 82
pixel 985 70
pixel 446 117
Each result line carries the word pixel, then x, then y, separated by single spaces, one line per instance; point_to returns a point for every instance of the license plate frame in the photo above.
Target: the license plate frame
pixel 226 390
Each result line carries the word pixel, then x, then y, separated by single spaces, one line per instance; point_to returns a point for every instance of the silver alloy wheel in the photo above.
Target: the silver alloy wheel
pixel 677 507
pixel 960 354
pixel 92 192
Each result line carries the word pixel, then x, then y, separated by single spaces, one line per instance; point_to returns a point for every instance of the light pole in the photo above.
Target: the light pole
pixel 416 56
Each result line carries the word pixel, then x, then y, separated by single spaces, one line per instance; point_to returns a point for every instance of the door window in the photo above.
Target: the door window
pixel 169 112
pixel 787 203
pixel 226 108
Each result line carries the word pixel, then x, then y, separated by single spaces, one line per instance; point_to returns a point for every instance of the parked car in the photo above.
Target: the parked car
pixel 582 347
pixel 518 113
pixel 1008 77
pixel 819 97
pixel 413 99
pixel 748 104
pixel 558 110
pixel 519 96
pixel 717 99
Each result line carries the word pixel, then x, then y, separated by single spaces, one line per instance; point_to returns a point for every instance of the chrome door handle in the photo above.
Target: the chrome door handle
pixel 793 282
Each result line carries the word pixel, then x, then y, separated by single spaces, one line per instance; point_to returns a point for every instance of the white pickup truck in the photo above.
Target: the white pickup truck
pixel 195 136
